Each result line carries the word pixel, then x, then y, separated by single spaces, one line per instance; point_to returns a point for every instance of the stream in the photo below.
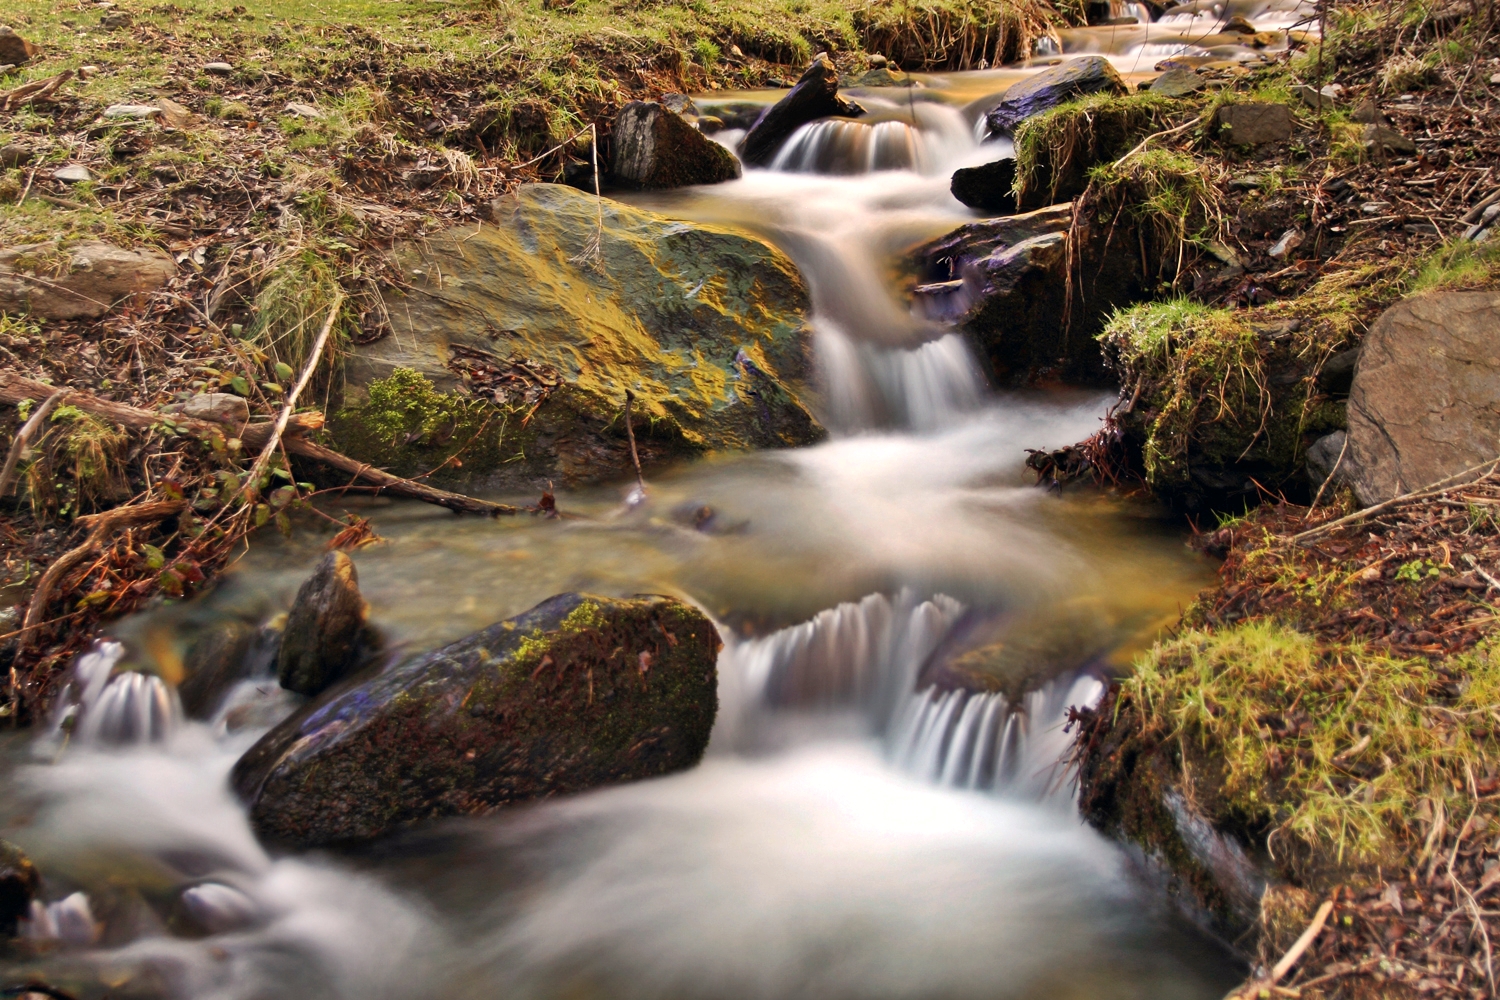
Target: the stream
pixel 853 832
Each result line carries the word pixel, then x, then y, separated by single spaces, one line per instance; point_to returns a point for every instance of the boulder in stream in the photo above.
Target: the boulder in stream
pixel 512 348
pixel 326 632
pixel 1005 282
pixel 217 659
pixel 1425 401
pixel 1051 87
pixel 578 692
pixel 815 96
pixel 653 148
pixel 19 884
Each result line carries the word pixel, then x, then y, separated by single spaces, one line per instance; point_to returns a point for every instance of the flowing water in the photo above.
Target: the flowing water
pixel 863 826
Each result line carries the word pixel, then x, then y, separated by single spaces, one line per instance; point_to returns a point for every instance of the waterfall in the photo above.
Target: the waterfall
pixel 978 740
pixel 923 388
pixel 867 656
pixel 921 136
pixel 104 707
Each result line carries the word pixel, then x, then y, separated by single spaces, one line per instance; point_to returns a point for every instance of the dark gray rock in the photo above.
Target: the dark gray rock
pixel 1337 374
pixel 1178 82
pixel 1425 403
pixel 1005 282
pixel 19 884
pixel 578 692
pixel 218 659
pixel 815 96
pixel 989 187
pixel 1324 459
pixel 653 148
pixel 326 631
pixel 1051 87
pixel 1255 124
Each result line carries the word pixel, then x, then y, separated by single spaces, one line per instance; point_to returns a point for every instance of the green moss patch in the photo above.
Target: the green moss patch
pixel 1056 150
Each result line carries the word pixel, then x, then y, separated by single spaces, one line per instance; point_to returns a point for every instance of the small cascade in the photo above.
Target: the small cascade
pixel 978 740
pixel 919 136
pixel 106 708
pixel 924 388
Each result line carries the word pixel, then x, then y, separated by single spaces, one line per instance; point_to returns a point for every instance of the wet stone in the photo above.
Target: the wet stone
pixel 1178 83
pixel 19 884
pixel 325 630
pixel 989 187
pixel 1051 87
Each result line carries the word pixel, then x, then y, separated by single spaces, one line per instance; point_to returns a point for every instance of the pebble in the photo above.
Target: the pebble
pixel 1374 207
pixel 72 173
pixel 12 155
pixel 303 110
pixel 1495 79
pixel 136 111
pixel 218 68
pixel 1290 240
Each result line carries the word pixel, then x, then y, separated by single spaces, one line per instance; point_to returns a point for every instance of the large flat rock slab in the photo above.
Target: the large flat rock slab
pixel 1425 402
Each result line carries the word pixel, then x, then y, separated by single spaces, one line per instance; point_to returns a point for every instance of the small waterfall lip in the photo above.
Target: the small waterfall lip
pixel 921 136
pixel 925 388
pixel 978 740
pixel 102 708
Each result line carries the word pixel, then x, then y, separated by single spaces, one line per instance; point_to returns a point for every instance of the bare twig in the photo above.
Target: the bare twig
pixel 1427 491
pixel 23 438
pixel 264 458
pixel 1331 473
pixel 635 457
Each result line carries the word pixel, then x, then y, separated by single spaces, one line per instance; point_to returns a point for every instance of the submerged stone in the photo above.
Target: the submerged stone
pixel 654 148
pixel 578 692
pixel 1051 87
pixel 19 884
pixel 513 347
pixel 215 662
pixel 815 96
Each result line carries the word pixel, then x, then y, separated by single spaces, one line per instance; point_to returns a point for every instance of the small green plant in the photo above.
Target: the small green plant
pixel 1418 571
pixel 706 53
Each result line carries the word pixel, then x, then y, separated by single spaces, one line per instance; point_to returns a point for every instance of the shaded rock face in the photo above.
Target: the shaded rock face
pixel 1051 87
pixel 82 282
pixel 326 634
pixel 654 148
pixel 1128 789
pixel 1005 282
pixel 578 692
pixel 815 96
pixel 217 660
pixel 989 187
pixel 19 884
pixel 707 326
pixel 14 49
pixel 1425 401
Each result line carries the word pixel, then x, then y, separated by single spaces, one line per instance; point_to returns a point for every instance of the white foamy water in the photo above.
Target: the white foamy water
pixel 855 831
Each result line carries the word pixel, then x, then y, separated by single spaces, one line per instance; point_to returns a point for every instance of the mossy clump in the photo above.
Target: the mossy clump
pixel 1173 199
pixel 407 426
pixel 301 286
pixel 1057 149
pixel 78 466
pixel 1335 750
pixel 1225 399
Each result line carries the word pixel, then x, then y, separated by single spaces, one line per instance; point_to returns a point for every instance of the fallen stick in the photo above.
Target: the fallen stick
pixel 1256 987
pixel 14 389
pixel 264 458
pixel 100 526
pixel 37 90
pixel 635 458
pixel 1441 486
pixel 395 485
pixel 23 438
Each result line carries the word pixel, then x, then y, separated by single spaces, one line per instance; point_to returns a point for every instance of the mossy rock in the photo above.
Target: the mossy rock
pixel 578 692
pixel 514 347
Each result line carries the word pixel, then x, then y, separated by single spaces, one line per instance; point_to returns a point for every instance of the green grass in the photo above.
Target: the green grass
pixel 1057 149
pixel 1337 749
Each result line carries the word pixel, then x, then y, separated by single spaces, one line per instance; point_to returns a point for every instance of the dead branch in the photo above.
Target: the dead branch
pixel 101 527
pixel 37 90
pixel 23 438
pixel 395 485
pixel 1442 485
pixel 266 452
pixel 14 389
